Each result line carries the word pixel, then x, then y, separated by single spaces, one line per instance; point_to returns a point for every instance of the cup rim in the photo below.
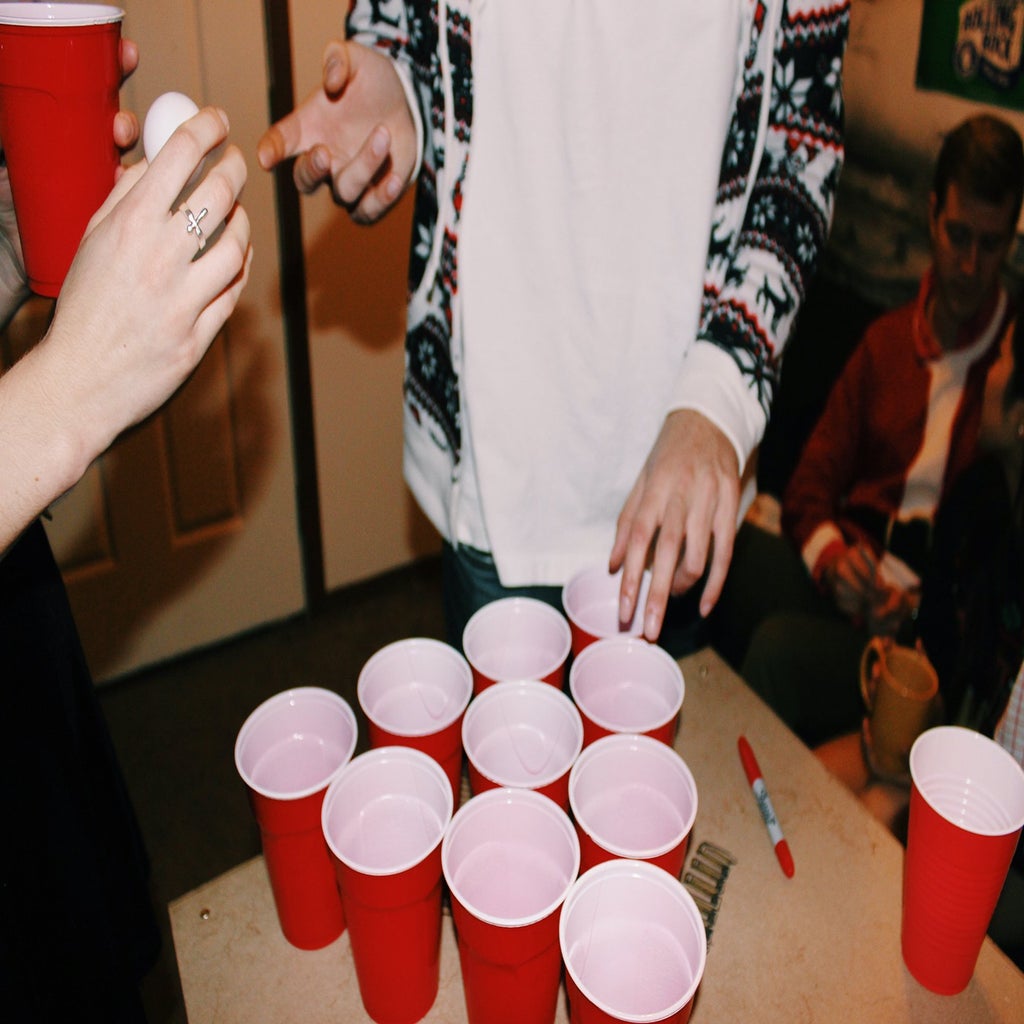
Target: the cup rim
pixel 656 748
pixel 459 705
pixel 368 761
pixel 508 794
pixel 542 607
pixel 960 734
pixel 596 649
pixel 266 707
pixel 58 15
pixel 578 579
pixel 545 691
pixel 673 890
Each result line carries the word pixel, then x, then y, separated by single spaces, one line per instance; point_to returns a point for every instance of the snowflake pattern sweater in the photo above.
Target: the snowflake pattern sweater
pixel 779 171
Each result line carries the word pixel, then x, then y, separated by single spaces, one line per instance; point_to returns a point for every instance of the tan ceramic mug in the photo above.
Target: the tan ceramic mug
pixel 900 691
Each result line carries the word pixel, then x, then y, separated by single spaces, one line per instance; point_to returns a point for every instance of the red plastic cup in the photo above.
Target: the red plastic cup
pixel 414 693
pixel 287 752
pixel 632 797
pixel 509 857
pixel 624 684
pixel 634 946
pixel 516 638
pixel 60 71
pixel 591 603
pixel 383 818
pixel 525 735
pixel 966 815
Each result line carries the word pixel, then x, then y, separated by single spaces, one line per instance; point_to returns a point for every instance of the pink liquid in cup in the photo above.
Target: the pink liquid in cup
pixel 383 818
pixel 60 73
pixel 626 685
pixel 287 752
pixel 414 693
pixel 516 638
pixel 591 603
pixel 509 857
pixel 966 815
pixel 632 797
pixel 525 735
pixel 634 946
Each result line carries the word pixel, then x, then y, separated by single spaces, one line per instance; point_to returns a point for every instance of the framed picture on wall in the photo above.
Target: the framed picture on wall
pixel 973 49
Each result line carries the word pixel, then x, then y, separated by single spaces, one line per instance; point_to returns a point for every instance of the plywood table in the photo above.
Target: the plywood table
pixel 822 946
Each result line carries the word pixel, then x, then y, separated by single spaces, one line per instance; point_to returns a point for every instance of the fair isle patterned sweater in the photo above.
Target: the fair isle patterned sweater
pixel 779 172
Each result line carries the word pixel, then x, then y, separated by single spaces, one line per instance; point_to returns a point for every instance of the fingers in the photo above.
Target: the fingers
pixel 629 552
pixel 287 137
pixel 224 273
pixel 212 202
pixel 671 549
pixel 184 151
pixel 126 129
pixel 378 199
pixel 129 56
pixel 358 175
pixel 312 169
pixel 724 539
pixel 278 142
pixel 337 67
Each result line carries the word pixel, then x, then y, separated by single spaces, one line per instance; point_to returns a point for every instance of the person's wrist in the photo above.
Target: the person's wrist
pixel 824 572
pixel 76 432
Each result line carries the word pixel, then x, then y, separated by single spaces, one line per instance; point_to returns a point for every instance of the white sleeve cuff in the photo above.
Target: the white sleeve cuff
pixel 405 77
pixel 711 383
pixel 826 534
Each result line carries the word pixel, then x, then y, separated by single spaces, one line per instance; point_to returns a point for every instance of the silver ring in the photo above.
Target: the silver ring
pixel 192 225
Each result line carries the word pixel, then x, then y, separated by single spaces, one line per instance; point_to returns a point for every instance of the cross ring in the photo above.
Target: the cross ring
pixel 192 225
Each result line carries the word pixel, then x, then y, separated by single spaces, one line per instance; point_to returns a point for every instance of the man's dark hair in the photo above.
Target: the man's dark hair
pixel 985 158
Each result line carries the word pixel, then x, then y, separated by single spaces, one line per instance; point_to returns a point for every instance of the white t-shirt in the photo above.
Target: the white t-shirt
pixel 580 272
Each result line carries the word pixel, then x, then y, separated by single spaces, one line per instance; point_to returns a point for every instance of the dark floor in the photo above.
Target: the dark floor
pixel 174 728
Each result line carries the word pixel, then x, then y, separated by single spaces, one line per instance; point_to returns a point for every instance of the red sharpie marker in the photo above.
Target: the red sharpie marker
pixel 751 767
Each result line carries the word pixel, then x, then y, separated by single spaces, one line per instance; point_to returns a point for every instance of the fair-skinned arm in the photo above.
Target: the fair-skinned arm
pixel 135 315
pixel 355 133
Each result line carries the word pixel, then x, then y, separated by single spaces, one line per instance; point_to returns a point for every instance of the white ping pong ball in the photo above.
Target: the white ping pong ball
pixel 167 112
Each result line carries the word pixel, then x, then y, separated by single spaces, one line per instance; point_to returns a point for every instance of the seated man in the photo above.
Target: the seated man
pixel 899 427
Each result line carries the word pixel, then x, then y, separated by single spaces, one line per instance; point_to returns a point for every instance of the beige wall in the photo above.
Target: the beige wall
pixel 879 244
pixel 887 115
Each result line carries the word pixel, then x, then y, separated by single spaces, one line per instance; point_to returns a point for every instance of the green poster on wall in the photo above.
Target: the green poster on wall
pixel 972 49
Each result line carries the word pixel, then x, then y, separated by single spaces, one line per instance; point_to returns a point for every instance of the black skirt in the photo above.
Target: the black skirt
pixel 77 927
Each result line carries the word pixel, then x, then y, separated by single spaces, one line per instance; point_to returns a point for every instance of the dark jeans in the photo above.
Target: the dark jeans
pixel 787 640
pixel 470 580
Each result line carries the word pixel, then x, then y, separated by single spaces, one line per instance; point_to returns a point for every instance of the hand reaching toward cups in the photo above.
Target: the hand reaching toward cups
pixel 137 312
pixel 355 133
pixel 680 514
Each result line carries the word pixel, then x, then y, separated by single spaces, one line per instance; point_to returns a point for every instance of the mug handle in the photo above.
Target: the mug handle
pixel 874 651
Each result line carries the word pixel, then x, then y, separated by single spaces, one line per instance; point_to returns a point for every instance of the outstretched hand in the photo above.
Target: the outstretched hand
pixel 683 507
pixel 355 134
